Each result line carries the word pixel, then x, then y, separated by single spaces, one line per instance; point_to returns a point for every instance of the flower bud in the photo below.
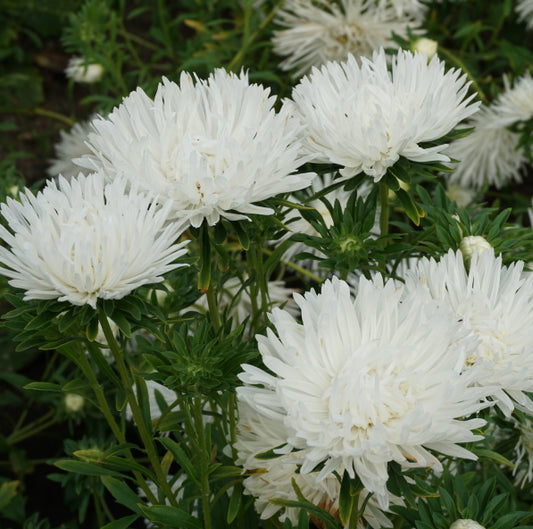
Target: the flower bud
pixel 74 403
pixel 471 244
pixel 80 72
pixel 426 46
pixel 466 524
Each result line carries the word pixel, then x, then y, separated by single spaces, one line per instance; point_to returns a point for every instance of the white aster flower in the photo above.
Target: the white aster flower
pixel 212 148
pixel 491 153
pixel 364 118
pixel 488 155
pixel 321 31
pixel 71 145
pixel 80 240
pixel 495 304
pixel 524 8
pixel 82 72
pixel 272 478
pixel 365 381
pixel 516 103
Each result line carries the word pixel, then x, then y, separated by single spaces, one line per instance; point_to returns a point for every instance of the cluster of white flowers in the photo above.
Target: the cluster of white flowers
pixel 322 31
pixel 491 154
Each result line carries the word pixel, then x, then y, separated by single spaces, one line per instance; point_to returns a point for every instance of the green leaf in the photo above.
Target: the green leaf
pixel 87 469
pixel 8 490
pixel 410 208
pixel 172 516
pixel 120 463
pixel 181 458
pixel 121 523
pixel 122 323
pixel 92 330
pixel 122 493
pixel 144 402
pixel 346 500
pixel 234 503
pixel 494 456
pixel 43 386
pixel 204 276
pixel 40 321
pixel 242 235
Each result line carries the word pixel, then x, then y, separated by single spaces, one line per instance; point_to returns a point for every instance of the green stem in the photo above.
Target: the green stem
pixel 237 61
pixel 232 410
pixel 263 287
pixel 384 213
pixel 164 26
pixel 295 267
pixel 84 365
pixel 40 112
pixel 213 307
pixel 97 508
pixel 205 457
pixel 458 62
pixel 135 410
pixel 33 428
pixel 129 45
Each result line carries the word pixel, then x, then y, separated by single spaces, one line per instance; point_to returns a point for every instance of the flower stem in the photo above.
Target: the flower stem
pixel 84 365
pixel 136 412
pixel 295 267
pixel 205 457
pixel 384 213
pixel 237 61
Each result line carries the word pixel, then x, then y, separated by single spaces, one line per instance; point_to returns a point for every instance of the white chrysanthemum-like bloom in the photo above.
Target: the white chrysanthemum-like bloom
pixel 495 304
pixel 524 453
pixel 488 155
pixel 524 8
pixel 212 148
pixel 81 72
pixel 71 145
pixel 364 118
pixel 473 244
pixel 79 240
pixel 466 524
pixel 322 31
pixel 272 478
pixel 365 381
pixel 516 103
pixel 237 299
